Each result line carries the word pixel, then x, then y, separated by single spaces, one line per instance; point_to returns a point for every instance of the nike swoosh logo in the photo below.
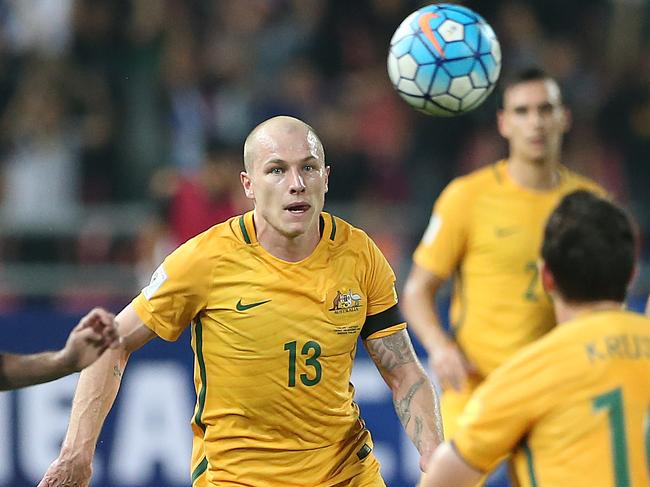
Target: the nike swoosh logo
pixel 423 22
pixel 244 307
pixel 505 231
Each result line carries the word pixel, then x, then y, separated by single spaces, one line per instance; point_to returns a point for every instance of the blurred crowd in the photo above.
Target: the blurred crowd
pixel 120 103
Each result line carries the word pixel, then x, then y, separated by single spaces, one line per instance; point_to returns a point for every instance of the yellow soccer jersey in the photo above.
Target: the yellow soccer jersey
pixel 487 230
pixel 274 343
pixel 573 406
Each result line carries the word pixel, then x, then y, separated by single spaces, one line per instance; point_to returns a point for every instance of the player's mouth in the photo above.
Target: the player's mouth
pixel 298 208
pixel 537 140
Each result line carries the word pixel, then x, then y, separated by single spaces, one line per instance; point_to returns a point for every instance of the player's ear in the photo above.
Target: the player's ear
pixel 247 183
pixel 502 125
pixel 327 177
pixel 567 119
pixel 548 281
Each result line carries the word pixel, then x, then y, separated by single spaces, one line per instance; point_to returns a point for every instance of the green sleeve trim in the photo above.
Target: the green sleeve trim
pixel 530 464
pixel 200 468
pixel 198 334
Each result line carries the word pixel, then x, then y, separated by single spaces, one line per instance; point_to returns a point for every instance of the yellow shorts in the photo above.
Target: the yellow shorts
pixel 453 402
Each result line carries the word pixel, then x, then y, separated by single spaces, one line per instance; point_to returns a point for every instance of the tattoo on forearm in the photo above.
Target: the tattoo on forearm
pixel 391 351
pixel 417 434
pixel 117 372
pixel 403 406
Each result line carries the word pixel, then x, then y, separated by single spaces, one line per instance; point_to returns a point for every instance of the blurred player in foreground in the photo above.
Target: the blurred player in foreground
pixel 485 231
pixel 277 299
pixel 573 407
pixel 94 333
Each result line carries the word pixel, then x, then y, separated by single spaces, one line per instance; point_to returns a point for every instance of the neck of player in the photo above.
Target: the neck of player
pixel 288 247
pixel 538 175
pixel 566 311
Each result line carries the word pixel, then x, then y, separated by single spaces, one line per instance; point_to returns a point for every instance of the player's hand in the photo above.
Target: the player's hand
pixel 450 365
pixel 425 459
pixel 94 333
pixel 67 473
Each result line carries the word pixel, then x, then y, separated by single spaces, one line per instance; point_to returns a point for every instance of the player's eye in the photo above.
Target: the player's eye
pixel 546 109
pixel 309 167
pixel 275 170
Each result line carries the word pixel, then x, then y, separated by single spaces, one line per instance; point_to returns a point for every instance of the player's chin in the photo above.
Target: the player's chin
pixel 297 224
pixel 538 153
pixel 299 217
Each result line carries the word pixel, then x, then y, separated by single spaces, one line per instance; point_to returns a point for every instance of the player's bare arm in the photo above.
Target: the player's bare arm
pixel 95 394
pixel 447 467
pixel 647 307
pixel 414 397
pixel 418 303
pixel 94 333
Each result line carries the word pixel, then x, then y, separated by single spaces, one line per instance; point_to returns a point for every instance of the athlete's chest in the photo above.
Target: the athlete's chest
pixel 506 230
pixel 260 305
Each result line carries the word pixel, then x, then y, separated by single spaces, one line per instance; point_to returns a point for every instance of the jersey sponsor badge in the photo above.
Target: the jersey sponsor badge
pixel 157 279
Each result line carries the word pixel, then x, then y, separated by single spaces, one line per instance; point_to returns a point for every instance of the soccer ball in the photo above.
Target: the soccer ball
pixel 444 59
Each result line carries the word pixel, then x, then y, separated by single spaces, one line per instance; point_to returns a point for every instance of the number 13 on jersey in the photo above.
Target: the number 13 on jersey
pixel 310 352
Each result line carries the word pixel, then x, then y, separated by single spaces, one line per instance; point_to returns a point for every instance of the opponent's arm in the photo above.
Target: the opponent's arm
pixel 418 304
pixel 95 394
pixel 94 333
pixel 414 397
pixel 647 307
pixel 447 467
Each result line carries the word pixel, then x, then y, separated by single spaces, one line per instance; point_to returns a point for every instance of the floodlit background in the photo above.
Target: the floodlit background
pixel 121 128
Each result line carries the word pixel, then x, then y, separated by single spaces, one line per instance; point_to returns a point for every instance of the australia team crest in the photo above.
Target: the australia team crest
pixel 345 301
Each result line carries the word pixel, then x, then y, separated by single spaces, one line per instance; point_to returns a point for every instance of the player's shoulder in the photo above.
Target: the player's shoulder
pixel 342 233
pixel 340 230
pixel 470 185
pixel 573 180
pixel 222 237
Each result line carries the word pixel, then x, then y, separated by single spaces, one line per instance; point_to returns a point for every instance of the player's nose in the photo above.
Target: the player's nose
pixel 297 182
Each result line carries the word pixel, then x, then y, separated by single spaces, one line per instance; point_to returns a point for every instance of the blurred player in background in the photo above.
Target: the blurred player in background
pixel 573 407
pixel 276 298
pixel 486 231
pixel 94 333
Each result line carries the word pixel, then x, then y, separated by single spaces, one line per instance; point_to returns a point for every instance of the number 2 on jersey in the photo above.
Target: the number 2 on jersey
pixel 612 402
pixel 311 361
pixel 531 268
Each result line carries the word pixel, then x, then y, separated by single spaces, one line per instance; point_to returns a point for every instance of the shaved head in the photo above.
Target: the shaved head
pixel 264 136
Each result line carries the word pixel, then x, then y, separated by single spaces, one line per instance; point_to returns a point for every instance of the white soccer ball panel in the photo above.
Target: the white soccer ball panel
pixel 495 47
pixel 415 101
pixel 433 109
pixel 460 86
pixel 478 76
pixel 474 97
pixel 496 51
pixel 450 31
pixel 409 87
pixel 407 66
pixel 404 29
pixel 448 102
pixel 393 69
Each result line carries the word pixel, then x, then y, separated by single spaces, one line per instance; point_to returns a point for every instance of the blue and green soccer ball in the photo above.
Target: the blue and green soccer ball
pixel 444 59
